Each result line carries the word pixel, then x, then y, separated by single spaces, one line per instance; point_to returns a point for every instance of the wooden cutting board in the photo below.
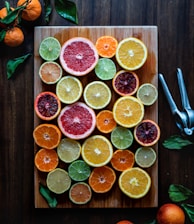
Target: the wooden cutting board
pixel 148 73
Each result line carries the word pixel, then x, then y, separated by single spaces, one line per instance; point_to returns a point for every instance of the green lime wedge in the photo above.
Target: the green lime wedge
pixel 121 138
pixel 79 170
pixel 49 49
pixel 105 69
pixel 145 157
pixel 58 181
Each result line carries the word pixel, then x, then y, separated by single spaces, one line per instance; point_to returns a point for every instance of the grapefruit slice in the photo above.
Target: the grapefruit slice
pixel 77 121
pixel 78 56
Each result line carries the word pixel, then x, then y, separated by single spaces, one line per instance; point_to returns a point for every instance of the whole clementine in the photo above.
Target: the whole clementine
pixel 124 222
pixel 170 214
pixel 14 37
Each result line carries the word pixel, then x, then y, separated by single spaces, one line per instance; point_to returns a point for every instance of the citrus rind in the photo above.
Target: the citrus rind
pixel 145 157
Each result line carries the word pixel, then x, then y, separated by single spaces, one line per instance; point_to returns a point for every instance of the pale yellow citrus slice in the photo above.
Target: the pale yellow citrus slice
pixel 69 89
pixel 131 53
pixel 97 151
pixel 128 111
pixel 135 182
pixel 145 157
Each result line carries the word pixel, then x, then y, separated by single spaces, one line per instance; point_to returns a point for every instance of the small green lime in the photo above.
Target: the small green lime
pixel 121 137
pixel 49 49
pixel 145 157
pixel 79 170
pixel 105 69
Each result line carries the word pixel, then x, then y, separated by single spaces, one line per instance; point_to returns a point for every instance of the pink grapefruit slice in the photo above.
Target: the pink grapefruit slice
pixel 77 121
pixel 78 56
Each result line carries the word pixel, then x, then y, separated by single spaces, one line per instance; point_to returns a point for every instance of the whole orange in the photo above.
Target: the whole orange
pixel 32 10
pixel 3 14
pixel 14 37
pixel 124 222
pixel 170 214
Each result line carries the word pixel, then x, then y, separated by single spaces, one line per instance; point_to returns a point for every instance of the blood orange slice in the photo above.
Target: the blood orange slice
pixel 147 133
pixel 77 121
pixel 78 56
pixel 47 105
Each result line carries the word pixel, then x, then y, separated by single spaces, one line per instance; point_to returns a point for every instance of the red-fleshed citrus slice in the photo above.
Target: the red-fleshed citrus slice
pixel 147 133
pixel 77 121
pixel 125 83
pixel 47 105
pixel 78 56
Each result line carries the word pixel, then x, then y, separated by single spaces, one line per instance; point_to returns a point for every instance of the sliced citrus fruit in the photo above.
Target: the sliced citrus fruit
pixel 58 181
pixel 105 69
pixel 79 170
pixel 50 72
pixel 105 122
pixel 97 94
pixel 97 151
pixel 77 121
pixel 80 193
pixel 122 159
pixel 49 49
pixel 47 136
pixel 102 179
pixel 121 137
pixel 78 56
pixel 145 157
pixel 125 83
pixel 131 53
pixel 46 160
pixel 128 111
pixel 135 182
pixel 147 133
pixel 47 105
pixel 147 93
pixel 106 46
pixel 68 150
pixel 69 89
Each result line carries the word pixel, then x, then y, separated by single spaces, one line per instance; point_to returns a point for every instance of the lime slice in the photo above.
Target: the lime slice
pixel 105 69
pixel 147 94
pixel 121 137
pixel 69 89
pixel 58 181
pixel 68 150
pixel 79 170
pixel 49 49
pixel 145 157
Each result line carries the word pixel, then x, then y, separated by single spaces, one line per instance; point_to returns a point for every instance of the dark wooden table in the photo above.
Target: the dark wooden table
pixel 175 21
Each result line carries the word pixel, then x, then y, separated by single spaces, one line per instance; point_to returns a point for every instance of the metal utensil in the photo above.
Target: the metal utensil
pixel 184 119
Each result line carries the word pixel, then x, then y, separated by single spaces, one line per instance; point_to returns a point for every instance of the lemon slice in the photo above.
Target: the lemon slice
pixel 145 157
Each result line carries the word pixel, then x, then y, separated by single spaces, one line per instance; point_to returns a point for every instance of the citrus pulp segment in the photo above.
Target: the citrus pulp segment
pixel 135 182
pixel 121 137
pixel 105 69
pixel 46 160
pixel 106 46
pixel 68 150
pixel 80 193
pixel 50 72
pixel 77 121
pixel 147 133
pixel 105 122
pixel 102 179
pixel 128 111
pixel 145 157
pixel 79 170
pixel 78 56
pixel 69 89
pixel 47 136
pixel 122 159
pixel 125 83
pixel 47 105
pixel 97 94
pixel 147 93
pixel 97 151
pixel 49 49
pixel 58 181
pixel 131 53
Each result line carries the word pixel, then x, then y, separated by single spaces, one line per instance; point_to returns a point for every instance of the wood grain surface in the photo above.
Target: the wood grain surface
pixel 148 73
